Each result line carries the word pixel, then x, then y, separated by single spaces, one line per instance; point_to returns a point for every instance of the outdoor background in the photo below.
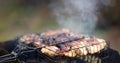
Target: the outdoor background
pixel 19 17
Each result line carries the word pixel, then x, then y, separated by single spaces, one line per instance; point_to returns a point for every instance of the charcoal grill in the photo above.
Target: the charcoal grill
pixel 21 48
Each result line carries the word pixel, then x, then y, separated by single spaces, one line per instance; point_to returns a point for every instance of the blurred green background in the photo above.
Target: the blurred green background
pixel 24 16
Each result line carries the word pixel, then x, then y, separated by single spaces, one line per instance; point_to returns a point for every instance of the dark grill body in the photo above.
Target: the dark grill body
pixel 113 57
pixel 63 41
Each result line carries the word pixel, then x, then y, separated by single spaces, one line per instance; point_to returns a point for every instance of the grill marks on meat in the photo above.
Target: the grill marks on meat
pixel 64 43
pixel 50 50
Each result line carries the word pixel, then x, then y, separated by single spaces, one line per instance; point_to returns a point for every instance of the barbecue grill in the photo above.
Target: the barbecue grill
pixel 23 49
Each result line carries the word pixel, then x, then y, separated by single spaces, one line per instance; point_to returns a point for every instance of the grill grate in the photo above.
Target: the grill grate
pixel 23 48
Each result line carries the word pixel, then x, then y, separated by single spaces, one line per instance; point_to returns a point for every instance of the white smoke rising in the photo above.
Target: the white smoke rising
pixel 80 16
pixel 108 2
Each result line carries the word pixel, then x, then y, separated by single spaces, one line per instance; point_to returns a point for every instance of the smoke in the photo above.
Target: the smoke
pixel 79 16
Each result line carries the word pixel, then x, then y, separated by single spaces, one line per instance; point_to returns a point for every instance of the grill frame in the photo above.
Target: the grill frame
pixel 22 48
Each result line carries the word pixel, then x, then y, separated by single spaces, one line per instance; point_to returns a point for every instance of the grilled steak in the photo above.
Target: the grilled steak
pixel 64 43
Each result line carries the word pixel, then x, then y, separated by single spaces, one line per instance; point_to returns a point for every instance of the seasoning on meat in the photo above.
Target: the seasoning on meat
pixel 64 43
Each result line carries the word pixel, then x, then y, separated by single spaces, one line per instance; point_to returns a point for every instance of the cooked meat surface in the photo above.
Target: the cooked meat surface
pixel 64 43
